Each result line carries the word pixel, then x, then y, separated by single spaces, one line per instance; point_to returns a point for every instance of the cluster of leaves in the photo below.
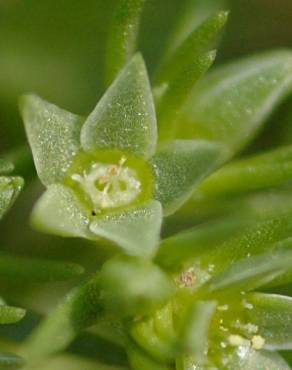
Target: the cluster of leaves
pixel 151 159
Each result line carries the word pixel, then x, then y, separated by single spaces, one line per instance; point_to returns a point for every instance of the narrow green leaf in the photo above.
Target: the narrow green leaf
pixel 36 270
pixel 122 36
pixel 252 173
pixel 187 245
pixel 54 137
pixel 273 225
pixel 60 212
pixel 9 315
pixel 80 309
pixel 136 230
pixel 127 292
pixel 5 166
pixel 191 17
pixel 9 190
pixel 140 360
pixel 196 43
pixel 178 90
pixel 272 314
pixel 233 102
pixel 248 359
pixel 251 272
pixel 125 116
pixel 179 166
pixel 9 361
pixel 195 330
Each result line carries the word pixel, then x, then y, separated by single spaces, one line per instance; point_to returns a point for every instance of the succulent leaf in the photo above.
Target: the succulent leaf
pixel 252 240
pixel 176 250
pixel 232 103
pixel 272 314
pixel 252 272
pixel 252 173
pixel 54 137
pixel 191 47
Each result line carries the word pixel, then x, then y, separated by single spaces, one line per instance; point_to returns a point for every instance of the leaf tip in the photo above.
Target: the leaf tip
pixel 223 16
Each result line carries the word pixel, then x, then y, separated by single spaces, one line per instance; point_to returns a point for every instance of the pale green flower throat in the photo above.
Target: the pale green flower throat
pixel 109 185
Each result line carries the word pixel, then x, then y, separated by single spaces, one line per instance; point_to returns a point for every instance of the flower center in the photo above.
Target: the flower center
pixel 109 185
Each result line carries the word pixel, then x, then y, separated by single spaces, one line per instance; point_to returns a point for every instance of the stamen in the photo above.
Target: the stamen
pixel 117 185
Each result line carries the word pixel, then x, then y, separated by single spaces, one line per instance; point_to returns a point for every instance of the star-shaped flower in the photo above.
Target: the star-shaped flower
pixel 106 176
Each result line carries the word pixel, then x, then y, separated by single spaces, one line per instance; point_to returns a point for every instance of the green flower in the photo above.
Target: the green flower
pixel 106 176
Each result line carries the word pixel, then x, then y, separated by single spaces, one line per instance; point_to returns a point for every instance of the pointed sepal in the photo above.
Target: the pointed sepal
pixel 124 118
pixel 60 212
pixel 179 166
pixel 136 229
pixel 54 137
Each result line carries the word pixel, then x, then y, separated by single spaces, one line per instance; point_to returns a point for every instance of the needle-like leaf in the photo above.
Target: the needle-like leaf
pixel 122 36
pixel 194 45
pixel 177 91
